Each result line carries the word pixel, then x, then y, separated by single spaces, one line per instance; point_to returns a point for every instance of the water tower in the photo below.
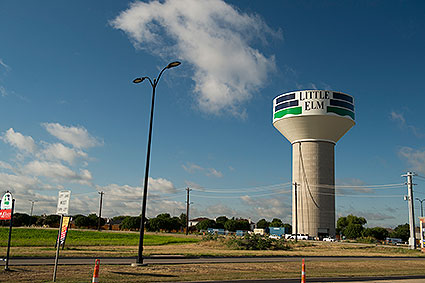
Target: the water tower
pixel 313 121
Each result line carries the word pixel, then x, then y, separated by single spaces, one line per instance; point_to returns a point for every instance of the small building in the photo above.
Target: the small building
pixel 260 231
pixel 193 222
pixel 278 231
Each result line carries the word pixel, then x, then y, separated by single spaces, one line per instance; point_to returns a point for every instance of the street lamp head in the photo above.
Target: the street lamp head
pixel 173 64
pixel 139 80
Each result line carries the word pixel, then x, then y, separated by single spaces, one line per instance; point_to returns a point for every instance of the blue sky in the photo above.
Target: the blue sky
pixel 70 118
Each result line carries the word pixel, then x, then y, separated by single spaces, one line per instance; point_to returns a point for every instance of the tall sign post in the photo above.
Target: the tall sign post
pixel 7 207
pixel 422 230
pixel 62 209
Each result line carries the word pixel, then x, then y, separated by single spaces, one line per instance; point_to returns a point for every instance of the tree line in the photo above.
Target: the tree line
pixel 350 227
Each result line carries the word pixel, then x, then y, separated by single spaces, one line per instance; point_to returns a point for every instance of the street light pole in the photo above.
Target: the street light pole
pixel 422 210
pixel 100 210
pixel 32 207
pixel 148 154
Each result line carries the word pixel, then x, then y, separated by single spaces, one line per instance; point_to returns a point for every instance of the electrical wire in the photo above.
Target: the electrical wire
pixel 421 178
pixel 237 192
pixel 241 190
pixel 237 197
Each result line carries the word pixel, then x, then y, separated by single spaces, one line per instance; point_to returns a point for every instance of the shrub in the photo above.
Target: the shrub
pixel 367 240
pixel 131 223
pixel 211 237
pixel 256 242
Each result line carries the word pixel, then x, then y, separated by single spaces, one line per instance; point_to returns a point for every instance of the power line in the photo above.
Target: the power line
pixel 421 178
pixel 243 189
pixel 237 192
pixel 235 197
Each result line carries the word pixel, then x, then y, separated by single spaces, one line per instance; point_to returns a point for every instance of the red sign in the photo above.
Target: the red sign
pixel 5 214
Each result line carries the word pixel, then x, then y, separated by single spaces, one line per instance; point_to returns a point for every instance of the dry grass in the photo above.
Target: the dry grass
pixel 217 248
pixel 219 271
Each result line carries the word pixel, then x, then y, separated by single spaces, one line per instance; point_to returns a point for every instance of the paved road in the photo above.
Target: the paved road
pixel 188 260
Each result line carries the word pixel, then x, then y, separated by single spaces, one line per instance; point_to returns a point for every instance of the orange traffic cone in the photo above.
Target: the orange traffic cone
pixel 96 271
pixel 303 273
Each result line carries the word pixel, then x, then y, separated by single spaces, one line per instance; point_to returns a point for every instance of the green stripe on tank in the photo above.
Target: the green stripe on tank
pixel 293 111
pixel 340 111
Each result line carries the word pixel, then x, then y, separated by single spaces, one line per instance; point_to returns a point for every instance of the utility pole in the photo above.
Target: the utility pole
pixel 412 239
pixel 422 210
pixel 296 211
pixel 100 209
pixel 32 207
pixel 187 210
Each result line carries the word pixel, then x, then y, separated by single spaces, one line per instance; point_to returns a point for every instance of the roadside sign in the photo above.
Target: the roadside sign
pixel 6 207
pixel 64 229
pixel 63 205
pixel 63 202
pixel 6 201
pixel 422 231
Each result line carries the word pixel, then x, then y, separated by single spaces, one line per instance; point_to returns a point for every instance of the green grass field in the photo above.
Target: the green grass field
pixel 27 237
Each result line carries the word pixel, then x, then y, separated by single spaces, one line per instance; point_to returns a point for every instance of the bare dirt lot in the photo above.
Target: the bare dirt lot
pixel 217 248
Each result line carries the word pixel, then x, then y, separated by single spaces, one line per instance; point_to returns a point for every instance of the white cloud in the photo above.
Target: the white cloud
pixel 57 172
pixel 214 38
pixel 18 183
pixel 398 117
pixel 76 136
pixel 6 165
pixel 278 207
pixel 58 151
pixel 219 210
pixel 191 167
pixel 415 158
pixel 351 186
pixel 194 185
pixel 401 121
pixel 3 91
pixel 213 172
pixel 161 185
pixel 4 65
pixel 18 140
pixel 30 175
pixel 25 188
pixel 127 200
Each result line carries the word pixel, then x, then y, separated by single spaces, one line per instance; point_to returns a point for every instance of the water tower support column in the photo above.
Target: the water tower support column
pixel 313 169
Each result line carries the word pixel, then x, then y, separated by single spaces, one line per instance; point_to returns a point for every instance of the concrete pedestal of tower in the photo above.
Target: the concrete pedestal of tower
pixel 313 171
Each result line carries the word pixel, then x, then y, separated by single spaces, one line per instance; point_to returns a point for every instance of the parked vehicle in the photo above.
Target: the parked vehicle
pixel 328 239
pixel 260 231
pixel 394 241
pixel 277 237
pixel 299 237
pixel 279 231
